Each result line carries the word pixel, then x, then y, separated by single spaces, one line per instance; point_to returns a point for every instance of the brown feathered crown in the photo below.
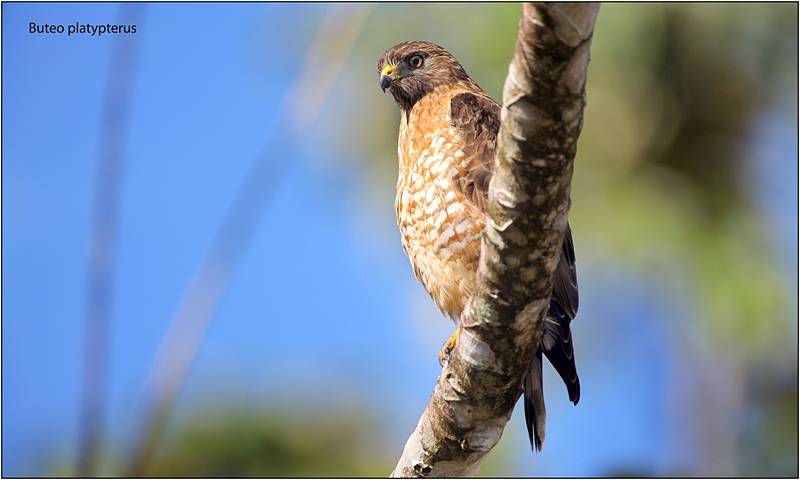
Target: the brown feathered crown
pixel 411 70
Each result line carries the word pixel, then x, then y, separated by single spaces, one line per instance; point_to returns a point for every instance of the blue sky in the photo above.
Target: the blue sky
pixel 316 305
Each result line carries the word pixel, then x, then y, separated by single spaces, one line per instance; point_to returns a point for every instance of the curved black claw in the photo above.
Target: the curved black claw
pixel 447 348
pixel 444 353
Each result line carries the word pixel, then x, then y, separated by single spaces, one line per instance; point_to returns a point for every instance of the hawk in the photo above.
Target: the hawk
pixel 446 148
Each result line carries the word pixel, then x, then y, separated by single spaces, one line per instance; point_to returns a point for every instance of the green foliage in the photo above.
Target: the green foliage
pixel 673 90
pixel 234 442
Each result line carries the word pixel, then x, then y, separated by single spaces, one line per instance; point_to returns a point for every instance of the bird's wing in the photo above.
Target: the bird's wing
pixel 476 119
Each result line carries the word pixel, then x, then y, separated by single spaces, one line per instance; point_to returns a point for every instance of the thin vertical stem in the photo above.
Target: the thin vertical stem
pixel 103 239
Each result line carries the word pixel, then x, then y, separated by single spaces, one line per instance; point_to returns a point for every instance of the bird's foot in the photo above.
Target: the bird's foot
pixel 447 348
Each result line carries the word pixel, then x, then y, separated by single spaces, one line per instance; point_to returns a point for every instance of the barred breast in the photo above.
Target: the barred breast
pixel 440 229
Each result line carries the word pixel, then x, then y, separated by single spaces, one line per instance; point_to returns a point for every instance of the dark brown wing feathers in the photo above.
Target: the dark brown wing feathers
pixel 477 119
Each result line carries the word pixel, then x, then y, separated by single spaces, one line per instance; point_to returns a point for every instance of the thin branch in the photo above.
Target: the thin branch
pixel 529 202
pixel 103 239
pixel 299 108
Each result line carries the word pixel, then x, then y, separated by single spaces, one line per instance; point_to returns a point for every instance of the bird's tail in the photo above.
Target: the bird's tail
pixel 556 343
pixel 535 414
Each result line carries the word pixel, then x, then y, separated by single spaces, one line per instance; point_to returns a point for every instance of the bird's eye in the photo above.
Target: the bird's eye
pixel 415 61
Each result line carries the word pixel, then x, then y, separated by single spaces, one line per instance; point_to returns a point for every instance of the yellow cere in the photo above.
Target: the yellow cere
pixel 387 70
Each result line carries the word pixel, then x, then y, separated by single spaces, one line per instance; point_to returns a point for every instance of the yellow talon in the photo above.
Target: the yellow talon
pixel 449 345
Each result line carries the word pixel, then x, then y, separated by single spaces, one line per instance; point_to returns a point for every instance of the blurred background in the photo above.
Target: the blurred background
pixel 202 275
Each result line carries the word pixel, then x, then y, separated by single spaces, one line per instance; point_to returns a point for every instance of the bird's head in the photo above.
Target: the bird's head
pixel 411 70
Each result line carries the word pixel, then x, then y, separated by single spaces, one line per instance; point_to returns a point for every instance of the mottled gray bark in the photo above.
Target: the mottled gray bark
pixel 529 200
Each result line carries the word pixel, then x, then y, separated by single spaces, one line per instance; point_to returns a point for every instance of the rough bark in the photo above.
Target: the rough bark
pixel 529 200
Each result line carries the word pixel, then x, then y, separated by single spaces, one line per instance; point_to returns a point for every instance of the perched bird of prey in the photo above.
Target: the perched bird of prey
pixel 446 149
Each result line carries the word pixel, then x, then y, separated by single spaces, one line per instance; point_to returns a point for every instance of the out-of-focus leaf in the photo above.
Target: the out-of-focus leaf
pixel 233 442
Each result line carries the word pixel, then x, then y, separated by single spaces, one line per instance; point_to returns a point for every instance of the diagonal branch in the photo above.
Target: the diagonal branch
pixel 529 200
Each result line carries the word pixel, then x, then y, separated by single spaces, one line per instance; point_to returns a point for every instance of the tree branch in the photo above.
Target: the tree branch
pixel 529 202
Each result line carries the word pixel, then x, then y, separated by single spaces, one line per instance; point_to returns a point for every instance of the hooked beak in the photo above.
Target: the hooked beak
pixel 386 82
pixel 387 77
